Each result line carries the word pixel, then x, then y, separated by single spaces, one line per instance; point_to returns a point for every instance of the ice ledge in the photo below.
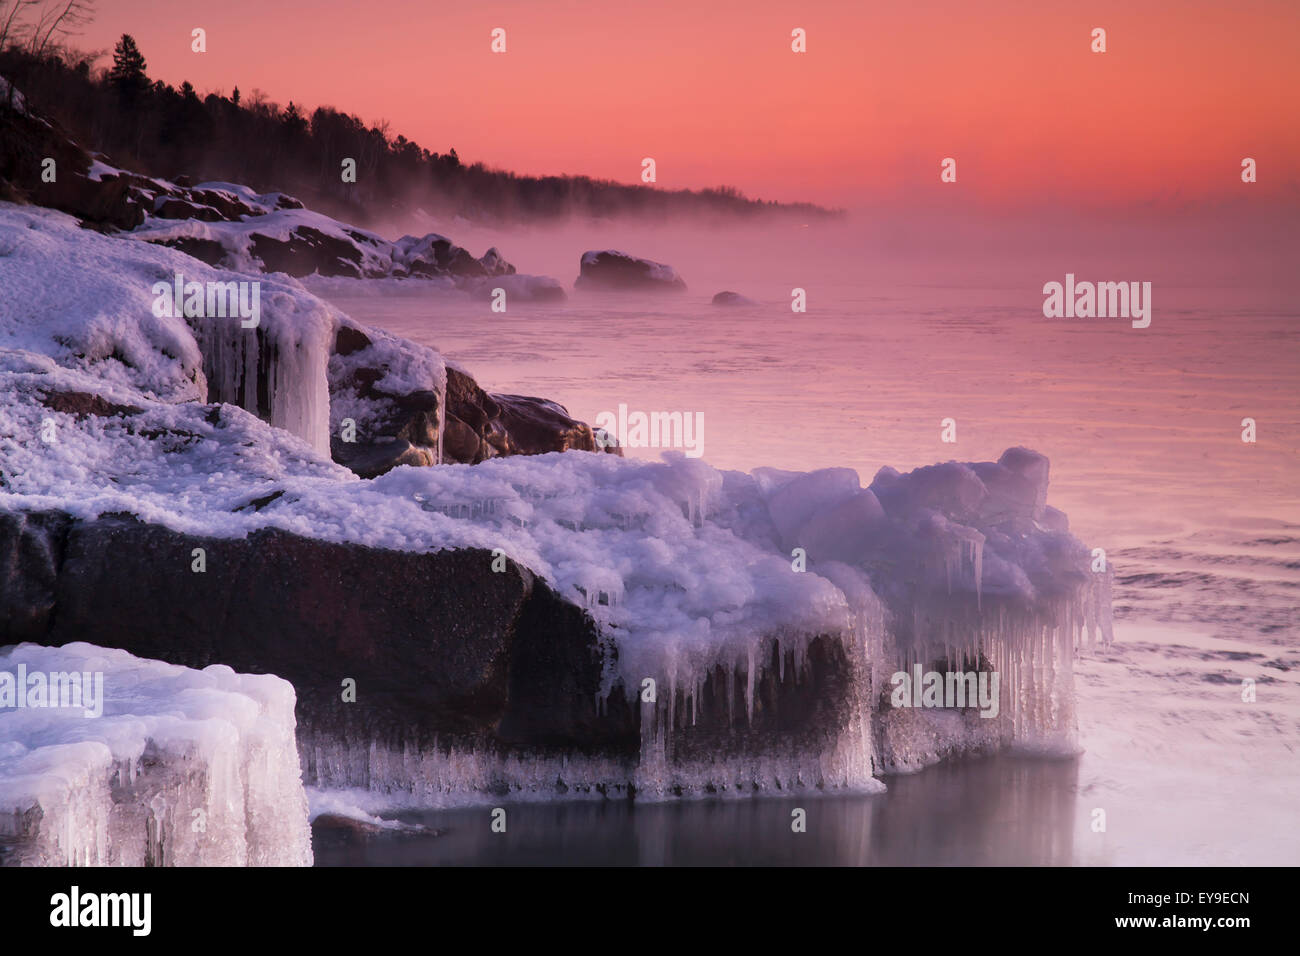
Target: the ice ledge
pixel 181 767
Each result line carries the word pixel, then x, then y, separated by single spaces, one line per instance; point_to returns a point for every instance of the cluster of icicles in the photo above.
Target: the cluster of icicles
pixel 1031 651
pixel 277 372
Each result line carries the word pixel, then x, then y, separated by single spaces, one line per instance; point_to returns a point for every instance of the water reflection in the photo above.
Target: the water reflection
pixel 1000 811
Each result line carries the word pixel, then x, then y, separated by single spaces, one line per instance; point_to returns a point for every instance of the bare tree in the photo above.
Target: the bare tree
pixel 59 18
pixel 12 20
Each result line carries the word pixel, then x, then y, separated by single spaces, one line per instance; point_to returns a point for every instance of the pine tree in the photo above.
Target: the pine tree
pixel 128 67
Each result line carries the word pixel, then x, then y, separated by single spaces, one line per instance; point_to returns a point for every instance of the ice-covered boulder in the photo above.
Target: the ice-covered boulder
pixel 386 401
pixel 614 270
pixel 107 759
pixel 435 255
pixel 514 611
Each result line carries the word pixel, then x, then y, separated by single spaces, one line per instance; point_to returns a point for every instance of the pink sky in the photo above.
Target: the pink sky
pixel 713 92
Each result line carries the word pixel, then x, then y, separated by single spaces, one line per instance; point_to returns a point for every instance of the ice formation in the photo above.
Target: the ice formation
pixel 691 573
pixel 183 767
pixel 88 302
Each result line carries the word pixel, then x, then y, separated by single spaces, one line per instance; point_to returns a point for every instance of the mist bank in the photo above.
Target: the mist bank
pixel 871 248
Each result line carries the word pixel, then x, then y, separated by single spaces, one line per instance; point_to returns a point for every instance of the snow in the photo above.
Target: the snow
pixel 12 97
pixel 98 170
pixel 261 202
pixel 360 253
pixel 183 767
pixel 87 301
pixel 236 238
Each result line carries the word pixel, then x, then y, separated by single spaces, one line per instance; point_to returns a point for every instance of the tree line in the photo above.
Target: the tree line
pixel 156 129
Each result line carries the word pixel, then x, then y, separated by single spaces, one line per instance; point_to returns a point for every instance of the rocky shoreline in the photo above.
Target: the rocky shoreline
pixel 470 596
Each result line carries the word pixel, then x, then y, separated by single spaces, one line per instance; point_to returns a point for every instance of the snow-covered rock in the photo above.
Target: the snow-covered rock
pixel 74 301
pixel 228 225
pixel 613 270
pixel 135 762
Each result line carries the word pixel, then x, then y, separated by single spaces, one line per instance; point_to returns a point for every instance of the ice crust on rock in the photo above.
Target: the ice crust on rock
pixel 183 768
pixel 87 301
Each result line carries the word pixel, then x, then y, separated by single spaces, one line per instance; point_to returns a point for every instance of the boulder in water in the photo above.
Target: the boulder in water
pixel 733 300
pixel 611 270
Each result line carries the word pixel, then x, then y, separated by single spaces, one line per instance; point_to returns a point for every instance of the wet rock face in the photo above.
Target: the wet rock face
pixel 610 270
pixel 399 421
pixel 31 554
pixel 480 426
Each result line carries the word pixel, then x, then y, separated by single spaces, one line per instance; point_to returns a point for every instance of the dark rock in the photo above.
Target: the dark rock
pixel 205 250
pixel 613 270
pixel 82 404
pixel 350 339
pixel 229 205
pixel 308 251
pixel 260 502
pixel 372 459
pixel 435 255
pixel 437 643
pixel 31 554
pixel 481 426
pixel 733 299
pixel 172 208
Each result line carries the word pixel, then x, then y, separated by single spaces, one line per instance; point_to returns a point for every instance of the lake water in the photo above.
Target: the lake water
pixel 1144 431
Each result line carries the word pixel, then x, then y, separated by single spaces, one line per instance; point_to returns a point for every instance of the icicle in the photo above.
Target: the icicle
pixel 730 671
pixel 749 687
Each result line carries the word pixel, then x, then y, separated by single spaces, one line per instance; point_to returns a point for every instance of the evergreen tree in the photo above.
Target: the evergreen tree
pixel 128 67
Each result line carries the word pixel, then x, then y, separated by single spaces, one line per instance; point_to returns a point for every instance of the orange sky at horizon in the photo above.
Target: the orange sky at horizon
pixel 713 92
